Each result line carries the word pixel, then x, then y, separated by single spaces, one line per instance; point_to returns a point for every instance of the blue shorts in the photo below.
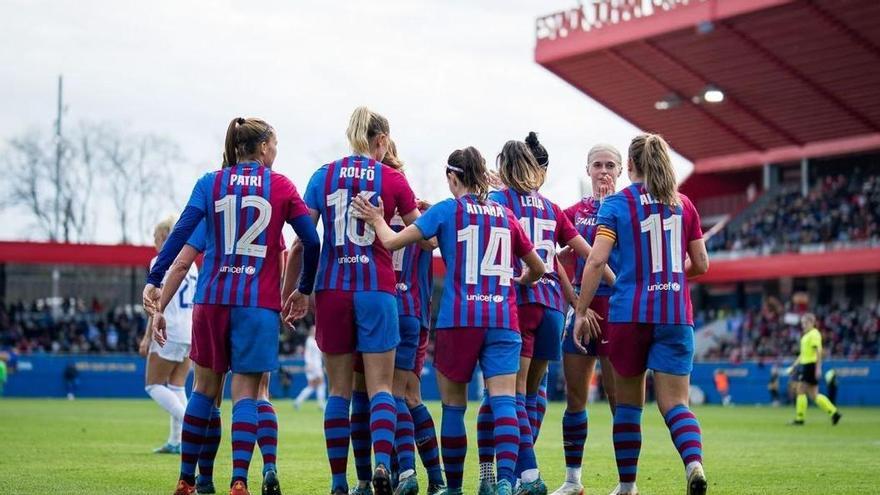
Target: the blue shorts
pixel 356 321
pixel 410 331
pixel 237 338
pixel 541 329
pixel 664 348
pixel 458 350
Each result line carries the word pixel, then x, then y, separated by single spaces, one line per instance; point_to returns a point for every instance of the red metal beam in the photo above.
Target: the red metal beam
pixel 803 78
pixel 46 253
pixel 841 262
pixel 839 25
pixel 750 159
pixel 666 88
pixel 729 98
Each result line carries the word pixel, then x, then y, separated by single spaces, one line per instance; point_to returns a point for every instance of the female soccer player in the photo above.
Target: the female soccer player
pixel 541 308
pixel 355 305
pixel 314 368
pixel 267 433
pixel 168 366
pixel 236 317
pixel 478 239
pixel 604 166
pixel 654 233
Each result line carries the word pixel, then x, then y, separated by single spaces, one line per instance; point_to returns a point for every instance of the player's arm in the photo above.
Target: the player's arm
pixel 426 244
pixel 579 245
pixel 697 262
pixel 176 273
pixel 535 269
pixel 296 305
pixel 374 215
pixel 292 269
pixel 565 282
pixel 586 321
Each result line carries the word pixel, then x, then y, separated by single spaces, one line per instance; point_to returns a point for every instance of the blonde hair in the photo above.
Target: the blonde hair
pixel 391 159
pixel 649 154
pixel 363 126
pixel 518 168
pixel 607 148
pixel 163 228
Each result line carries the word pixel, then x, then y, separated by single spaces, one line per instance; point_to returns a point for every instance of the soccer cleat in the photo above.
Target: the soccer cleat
pixel 271 486
pixel 796 422
pixel 381 481
pixel 569 488
pixel 697 481
pixel 486 488
pixel 167 449
pixel 206 488
pixel 503 488
pixel 446 491
pixel 184 488
pixel 835 418
pixel 361 490
pixel 408 486
pixel 616 491
pixel 536 487
pixel 435 489
pixel 239 488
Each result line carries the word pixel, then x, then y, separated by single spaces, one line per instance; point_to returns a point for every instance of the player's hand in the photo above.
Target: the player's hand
pixel 586 328
pixel 495 181
pixel 422 205
pixel 363 209
pixel 144 346
pixel 160 334
pixel 151 297
pixel 295 307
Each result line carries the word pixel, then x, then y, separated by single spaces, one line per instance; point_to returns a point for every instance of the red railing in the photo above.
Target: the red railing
pixel 600 13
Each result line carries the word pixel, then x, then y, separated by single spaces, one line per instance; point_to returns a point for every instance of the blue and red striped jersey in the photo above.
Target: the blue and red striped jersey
pixel 412 266
pixel 547 227
pixel 245 207
pixel 651 242
pixel 480 243
pixel 583 215
pixel 352 259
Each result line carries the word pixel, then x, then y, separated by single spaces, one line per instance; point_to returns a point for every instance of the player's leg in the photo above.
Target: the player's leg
pixel 578 370
pixel 361 441
pixel 335 335
pixel 498 363
pixel 177 385
pixel 608 381
pixel 404 435
pixel 548 336
pixel 267 437
pixel 320 391
pixel 671 358
pixel 425 431
pixel 211 444
pixel 158 375
pixel 823 402
pixel 486 445
pixel 800 402
pixel 378 335
pixel 253 353
pixel 530 317
pixel 304 394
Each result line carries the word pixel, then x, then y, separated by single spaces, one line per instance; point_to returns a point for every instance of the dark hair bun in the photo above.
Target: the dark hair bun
pixel 532 140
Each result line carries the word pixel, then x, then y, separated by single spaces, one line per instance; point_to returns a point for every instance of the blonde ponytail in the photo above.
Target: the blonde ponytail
pixel 518 168
pixel 650 156
pixel 363 126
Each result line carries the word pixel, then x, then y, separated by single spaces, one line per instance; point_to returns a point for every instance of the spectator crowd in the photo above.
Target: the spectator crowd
pixel 838 209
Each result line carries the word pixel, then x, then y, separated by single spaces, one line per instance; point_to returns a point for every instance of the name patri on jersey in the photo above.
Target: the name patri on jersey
pixel 246 180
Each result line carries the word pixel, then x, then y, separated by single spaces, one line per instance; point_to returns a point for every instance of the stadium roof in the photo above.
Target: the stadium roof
pixel 799 78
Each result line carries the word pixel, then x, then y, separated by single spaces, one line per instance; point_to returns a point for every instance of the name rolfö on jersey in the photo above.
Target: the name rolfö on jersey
pixel 351 258
pixel 478 241
pixel 652 287
pixel 547 227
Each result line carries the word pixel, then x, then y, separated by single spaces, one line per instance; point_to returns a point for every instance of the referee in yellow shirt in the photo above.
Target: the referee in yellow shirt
pixel 809 369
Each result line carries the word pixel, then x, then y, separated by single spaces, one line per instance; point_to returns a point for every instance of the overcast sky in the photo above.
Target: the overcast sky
pixel 447 74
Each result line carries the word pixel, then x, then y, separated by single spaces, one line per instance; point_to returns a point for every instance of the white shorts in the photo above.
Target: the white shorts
pixel 314 374
pixel 171 351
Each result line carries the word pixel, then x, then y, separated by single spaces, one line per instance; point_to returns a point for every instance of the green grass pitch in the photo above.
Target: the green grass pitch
pixel 104 447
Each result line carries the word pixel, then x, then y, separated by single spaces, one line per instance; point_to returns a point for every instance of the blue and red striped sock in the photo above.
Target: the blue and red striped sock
pixel 404 437
pixel 526 460
pixel 627 439
pixel 336 436
pixel 574 436
pixel 507 437
pixel 540 408
pixel 532 411
pixel 453 444
pixel 244 437
pixel 426 442
pixel 686 435
pixel 267 434
pixel 195 427
pixel 383 422
pixel 360 435
pixel 486 439
pixel 210 447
